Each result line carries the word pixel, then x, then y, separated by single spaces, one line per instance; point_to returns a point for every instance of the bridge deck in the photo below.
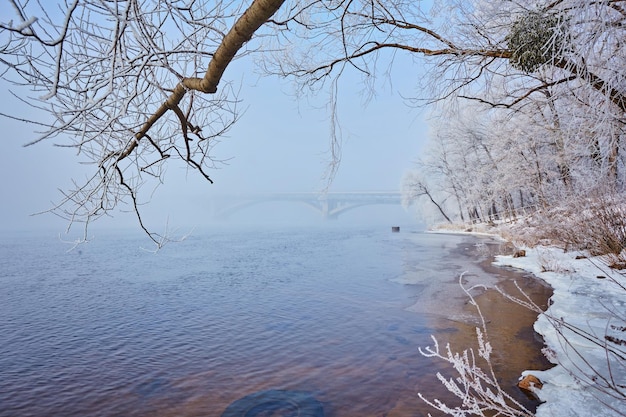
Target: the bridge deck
pixel 329 204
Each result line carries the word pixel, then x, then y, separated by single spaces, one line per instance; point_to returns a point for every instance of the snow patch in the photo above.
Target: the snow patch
pixel 589 304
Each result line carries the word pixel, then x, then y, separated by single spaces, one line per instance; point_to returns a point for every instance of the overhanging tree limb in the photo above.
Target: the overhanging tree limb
pixel 596 82
pixel 105 71
pixel 241 32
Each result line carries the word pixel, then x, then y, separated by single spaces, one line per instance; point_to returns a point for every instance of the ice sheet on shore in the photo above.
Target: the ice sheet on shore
pixel 439 282
pixel 592 304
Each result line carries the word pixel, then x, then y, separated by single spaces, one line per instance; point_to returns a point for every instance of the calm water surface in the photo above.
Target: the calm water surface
pixel 111 330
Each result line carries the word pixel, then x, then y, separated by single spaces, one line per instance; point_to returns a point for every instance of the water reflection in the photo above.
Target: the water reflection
pixel 115 331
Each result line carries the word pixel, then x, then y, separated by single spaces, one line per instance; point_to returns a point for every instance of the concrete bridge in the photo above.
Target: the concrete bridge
pixel 330 204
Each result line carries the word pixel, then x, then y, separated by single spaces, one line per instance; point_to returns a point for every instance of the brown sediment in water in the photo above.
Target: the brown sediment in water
pixel 353 383
pixel 516 346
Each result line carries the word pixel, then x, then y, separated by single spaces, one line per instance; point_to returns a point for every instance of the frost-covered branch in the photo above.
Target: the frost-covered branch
pixel 114 78
pixel 476 385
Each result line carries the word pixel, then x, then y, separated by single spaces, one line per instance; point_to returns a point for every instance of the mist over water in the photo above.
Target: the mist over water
pixel 109 329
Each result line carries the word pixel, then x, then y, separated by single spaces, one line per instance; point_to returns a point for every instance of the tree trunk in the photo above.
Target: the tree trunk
pixel 559 144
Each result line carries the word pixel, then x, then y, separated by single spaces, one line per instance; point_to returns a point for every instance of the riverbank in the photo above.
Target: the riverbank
pixel 438 297
pixel 584 334
pixel 583 330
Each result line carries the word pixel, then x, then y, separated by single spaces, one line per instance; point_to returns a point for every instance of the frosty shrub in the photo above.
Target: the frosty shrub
pixel 550 263
pixel 607 232
pixel 476 384
pixel 594 223
pixel 597 224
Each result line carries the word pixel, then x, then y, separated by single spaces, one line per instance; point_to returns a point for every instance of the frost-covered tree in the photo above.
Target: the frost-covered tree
pixel 556 100
pixel 507 55
pixel 471 43
pixel 129 84
pixel 133 85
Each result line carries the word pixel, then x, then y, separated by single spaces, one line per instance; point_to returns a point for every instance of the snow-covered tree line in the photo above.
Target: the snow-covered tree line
pixel 547 129
pixel 136 85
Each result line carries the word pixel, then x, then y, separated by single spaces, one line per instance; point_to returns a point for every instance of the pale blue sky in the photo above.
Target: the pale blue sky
pixel 278 145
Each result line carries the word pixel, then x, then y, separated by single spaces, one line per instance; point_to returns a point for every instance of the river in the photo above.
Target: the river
pixel 108 329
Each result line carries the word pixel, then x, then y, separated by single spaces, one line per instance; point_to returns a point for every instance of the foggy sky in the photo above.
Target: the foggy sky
pixel 279 145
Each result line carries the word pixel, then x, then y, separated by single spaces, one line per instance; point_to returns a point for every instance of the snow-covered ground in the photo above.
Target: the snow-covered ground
pixel 588 308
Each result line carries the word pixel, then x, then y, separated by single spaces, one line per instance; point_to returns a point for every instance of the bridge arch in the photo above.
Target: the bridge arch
pixel 329 205
pixel 228 210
